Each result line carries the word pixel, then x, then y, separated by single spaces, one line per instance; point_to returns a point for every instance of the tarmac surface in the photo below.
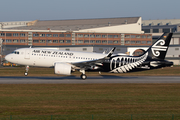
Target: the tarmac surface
pixel 90 79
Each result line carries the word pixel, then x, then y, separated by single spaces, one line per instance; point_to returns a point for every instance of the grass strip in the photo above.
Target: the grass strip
pixel 34 71
pixel 89 99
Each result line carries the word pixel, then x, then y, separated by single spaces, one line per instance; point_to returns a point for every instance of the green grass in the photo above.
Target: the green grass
pixel 89 99
pixel 34 71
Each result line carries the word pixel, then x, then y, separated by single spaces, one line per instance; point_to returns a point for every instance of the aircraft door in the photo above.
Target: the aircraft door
pixel 27 54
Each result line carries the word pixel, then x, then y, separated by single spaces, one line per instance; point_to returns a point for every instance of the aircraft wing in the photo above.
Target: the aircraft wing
pixel 88 64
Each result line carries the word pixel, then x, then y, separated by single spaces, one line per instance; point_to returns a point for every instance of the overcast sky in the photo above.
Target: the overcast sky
pixel 28 10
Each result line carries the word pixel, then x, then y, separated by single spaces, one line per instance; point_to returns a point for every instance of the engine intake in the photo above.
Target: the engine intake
pixel 62 68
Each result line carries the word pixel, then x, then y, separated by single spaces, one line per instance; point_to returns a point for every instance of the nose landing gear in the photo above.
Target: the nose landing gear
pixel 26 70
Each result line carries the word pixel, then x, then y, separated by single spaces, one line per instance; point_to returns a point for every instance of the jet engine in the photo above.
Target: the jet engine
pixel 62 68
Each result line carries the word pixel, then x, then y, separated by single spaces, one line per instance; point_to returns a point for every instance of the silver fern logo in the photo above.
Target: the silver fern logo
pixel 125 64
pixel 156 48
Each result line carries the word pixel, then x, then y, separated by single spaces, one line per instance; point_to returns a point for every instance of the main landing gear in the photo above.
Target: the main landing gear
pixel 26 70
pixel 83 75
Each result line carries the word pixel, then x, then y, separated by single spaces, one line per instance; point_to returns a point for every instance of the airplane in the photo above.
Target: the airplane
pixel 65 62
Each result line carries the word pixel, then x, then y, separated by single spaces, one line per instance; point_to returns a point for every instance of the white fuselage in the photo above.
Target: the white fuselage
pixel 48 57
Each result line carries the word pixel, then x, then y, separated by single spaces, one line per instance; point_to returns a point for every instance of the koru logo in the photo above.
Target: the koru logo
pixel 155 48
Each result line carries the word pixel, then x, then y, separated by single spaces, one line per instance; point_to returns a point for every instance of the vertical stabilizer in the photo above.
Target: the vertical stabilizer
pixel 159 49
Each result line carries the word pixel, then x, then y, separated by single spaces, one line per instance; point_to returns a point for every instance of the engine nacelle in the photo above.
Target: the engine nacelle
pixel 62 68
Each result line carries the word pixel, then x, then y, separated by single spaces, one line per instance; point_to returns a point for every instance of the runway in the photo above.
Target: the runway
pixel 90 80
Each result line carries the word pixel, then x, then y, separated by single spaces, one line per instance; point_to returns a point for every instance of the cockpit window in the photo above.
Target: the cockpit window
pixel 15 52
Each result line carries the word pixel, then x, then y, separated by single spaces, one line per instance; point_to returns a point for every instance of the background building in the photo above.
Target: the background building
pixel 130 35
pixel 158 27
pixel 109 31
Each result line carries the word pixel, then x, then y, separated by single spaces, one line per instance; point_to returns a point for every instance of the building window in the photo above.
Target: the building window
pixel 86 36
pixel 110 41
pixel 86 41
pixel 61 35
pixel 138 36
pixel 104 41
pixel 138 42
pixel 132 36
pixel 146 30
pixel 55 35
pixel 42 35
pixel 80 41
pixel 22 34
pixel 15 41
pixel 92 36
pixel 8 34
pixel 92 41
pixel 101 49
pixel 35 35
pixel 84 49
pixel 98 36
pixel 80 35
pixel 118 49
pixel 48 35
pixel 148 42
pixel 143 36
pixel 143 42
pixel 133 42
pixel 35 41
pixel 110 36
pixel 48 41
pixel 148 36
pixel 55 41
pixel 68 35
pixel 68 41
pixel 22 41
pixel 127 42
pixel 104 36
pixel 176 48
pixel 2 34
pixel 127 36
pixel 61 41
pixel 15 34
pixel 116 36
pixel 166 30
pixel 42 41
pixel 115 42
pixel 155 30
pixel 8 41
pixel 98 41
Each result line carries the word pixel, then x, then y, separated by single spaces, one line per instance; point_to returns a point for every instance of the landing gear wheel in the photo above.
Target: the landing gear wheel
pixel 26 70
pixel 83 76
pixel 25 73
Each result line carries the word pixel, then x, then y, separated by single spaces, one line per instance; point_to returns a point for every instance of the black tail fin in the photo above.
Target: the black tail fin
pixel 159 49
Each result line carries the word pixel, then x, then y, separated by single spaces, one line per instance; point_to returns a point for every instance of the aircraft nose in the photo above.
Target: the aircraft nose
pixel 8 57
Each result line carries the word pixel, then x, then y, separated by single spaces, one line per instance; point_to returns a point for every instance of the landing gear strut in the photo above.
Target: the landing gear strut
pixel 83 75
pixel 27 69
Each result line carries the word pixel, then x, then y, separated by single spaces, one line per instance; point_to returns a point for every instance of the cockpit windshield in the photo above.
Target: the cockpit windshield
pixel 15 52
